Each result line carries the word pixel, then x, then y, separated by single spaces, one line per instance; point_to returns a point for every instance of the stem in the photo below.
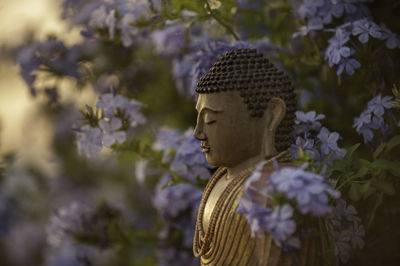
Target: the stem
pixel 226 26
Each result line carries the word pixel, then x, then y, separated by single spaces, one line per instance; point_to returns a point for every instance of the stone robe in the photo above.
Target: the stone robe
pixel 232 243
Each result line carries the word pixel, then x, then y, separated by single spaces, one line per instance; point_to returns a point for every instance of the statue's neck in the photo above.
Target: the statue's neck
pixel 249 163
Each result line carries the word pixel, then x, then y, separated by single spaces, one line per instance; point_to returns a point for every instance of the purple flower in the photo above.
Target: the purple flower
pixel 98 17
pixel 111 16
pixel 89 140
pixel 307 146
pixel 172 256
pixel 127 31
pixel 337 48
pixel 310 190
pixel 174 200
pixel 189 161
pixel 65 256
pixel 345 229
pixel 68 221
pixel 392 39
pixel 378 105
pixel 306 122
pixel 110 131
pixel 328 141
pixel 6 214
pixel 249 4
pixel 365 28
pixel 109 102
pixel 277 221
pixel 372 118
pixel 170 40
pixel 178 206
pixel 280 223
pixel 348 64
pixel 316 142
pixel 52 56
pixel 363 126
pixel 339 7
pixel 167 139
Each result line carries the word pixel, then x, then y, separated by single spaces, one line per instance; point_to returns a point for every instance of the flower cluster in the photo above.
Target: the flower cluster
pixel 303 192
pixel 68 221
pixel 320 13
pixel 109 103
pixel 90 140
pixel 6 213
pixel 51 56
pixel 249 4
pixel 110 19
pixel 178 206
pixel 372 118
pixel 356 21
pixel 188 160
pixel 339 53
pixel 318 142
pixel 170 40
pixel 346 230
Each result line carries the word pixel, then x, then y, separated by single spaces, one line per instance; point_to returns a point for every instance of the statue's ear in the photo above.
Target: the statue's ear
pixel 276 110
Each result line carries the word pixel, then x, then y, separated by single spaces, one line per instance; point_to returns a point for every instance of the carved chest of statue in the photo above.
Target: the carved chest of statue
pixel 245 115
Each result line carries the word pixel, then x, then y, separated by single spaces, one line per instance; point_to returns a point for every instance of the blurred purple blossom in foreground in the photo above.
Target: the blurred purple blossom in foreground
pixel 178 205
pixel 53 56
pixel 372 118
pixel 306 192
pixel 189 161
pixel 64 224
pixel 6 214
pixel 113 17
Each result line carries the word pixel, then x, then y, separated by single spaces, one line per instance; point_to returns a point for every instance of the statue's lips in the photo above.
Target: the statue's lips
pixel 205 149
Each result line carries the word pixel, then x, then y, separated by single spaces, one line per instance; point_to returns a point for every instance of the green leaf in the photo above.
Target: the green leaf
pixel 339 166
pixel 361 172
pixel 350 151
pixel 391 166
pixel 378 150
pixel 356 191
pixel 393 142
pixel 196 6
pixel 384 186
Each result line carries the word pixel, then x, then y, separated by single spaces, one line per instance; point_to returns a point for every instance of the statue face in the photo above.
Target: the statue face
pixel 228 134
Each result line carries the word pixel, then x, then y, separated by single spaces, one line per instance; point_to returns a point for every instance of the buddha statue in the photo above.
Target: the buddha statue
pixel 245 111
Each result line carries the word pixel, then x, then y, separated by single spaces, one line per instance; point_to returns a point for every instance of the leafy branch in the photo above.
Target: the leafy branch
pixel 220 21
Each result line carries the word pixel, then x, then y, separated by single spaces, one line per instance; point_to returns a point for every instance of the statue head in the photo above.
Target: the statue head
pixel 245 109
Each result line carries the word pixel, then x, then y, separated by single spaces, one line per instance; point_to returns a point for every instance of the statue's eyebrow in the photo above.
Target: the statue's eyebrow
pixel 209 109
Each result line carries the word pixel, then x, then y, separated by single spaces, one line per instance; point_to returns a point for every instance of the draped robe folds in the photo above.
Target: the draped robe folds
pixel 232 243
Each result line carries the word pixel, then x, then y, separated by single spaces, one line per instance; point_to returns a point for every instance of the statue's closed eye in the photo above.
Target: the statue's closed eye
pixel 210 122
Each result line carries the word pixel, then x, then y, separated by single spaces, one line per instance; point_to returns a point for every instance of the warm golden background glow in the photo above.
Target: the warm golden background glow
pixel 22 130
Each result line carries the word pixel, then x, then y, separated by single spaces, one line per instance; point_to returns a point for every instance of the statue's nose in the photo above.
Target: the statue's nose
pixel 198 132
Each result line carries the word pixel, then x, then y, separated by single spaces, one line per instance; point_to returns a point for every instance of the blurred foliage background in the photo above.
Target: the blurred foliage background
pixel 98 164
